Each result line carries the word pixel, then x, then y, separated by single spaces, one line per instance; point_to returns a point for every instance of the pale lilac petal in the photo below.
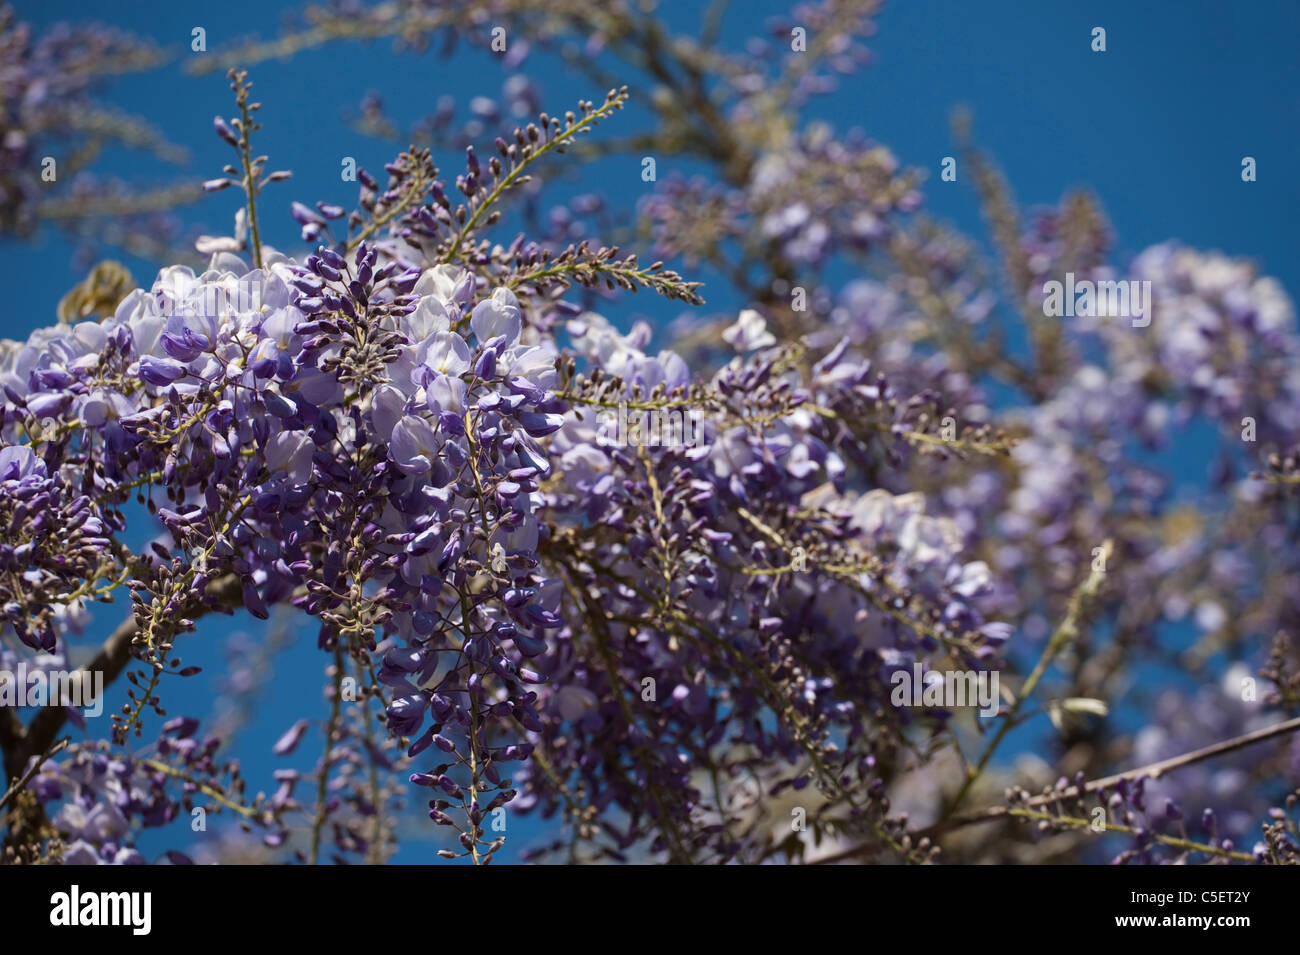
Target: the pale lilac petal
pixel 499 315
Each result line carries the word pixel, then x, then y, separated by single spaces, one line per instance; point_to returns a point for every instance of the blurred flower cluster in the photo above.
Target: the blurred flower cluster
pixel 53 127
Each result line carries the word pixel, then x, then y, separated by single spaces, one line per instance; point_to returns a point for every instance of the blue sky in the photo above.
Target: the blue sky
pixel 1156 127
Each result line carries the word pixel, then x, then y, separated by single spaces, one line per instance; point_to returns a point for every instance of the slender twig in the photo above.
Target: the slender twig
pixel 239 83
pixel 32 770
pixel 1064 634
pixel 375 851
pixel 248 812
pixel 111 660
pixel 323 777
pixel 555 139
pixel 1150 771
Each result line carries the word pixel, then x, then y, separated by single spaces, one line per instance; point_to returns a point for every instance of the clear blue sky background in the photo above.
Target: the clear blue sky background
pixel 1156 127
